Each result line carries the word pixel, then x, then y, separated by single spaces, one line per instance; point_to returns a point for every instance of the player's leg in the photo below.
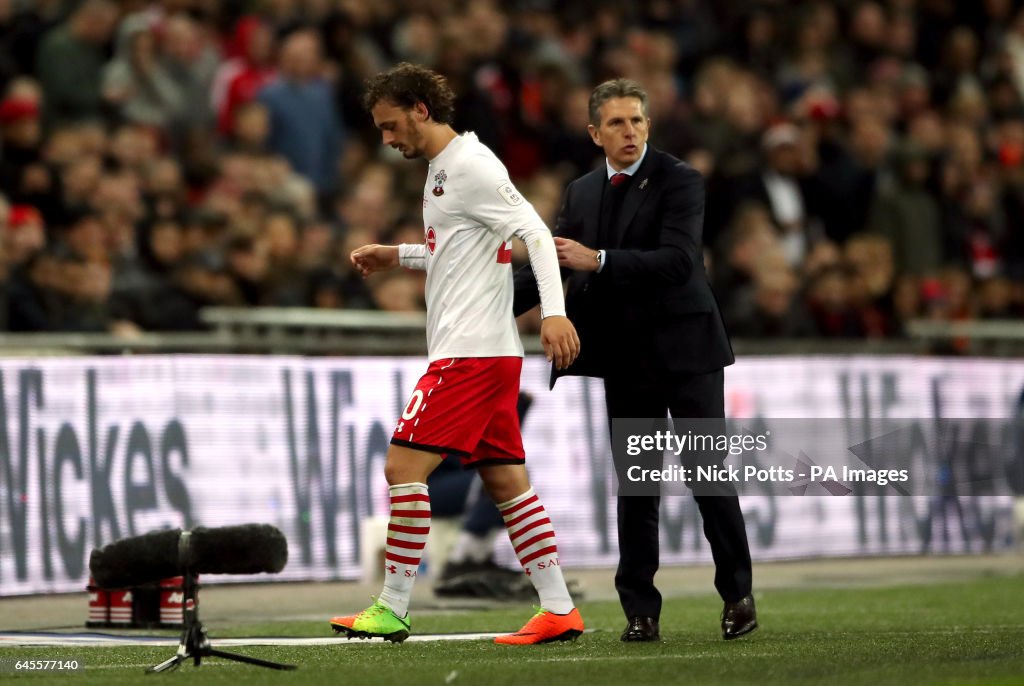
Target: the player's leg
pixel 433 424
pixel 500 459
pixel 406 470
pixel 530 530
pixel 533 539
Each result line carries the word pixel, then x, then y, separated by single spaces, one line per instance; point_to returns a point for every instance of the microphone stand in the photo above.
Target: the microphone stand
pixel 194 642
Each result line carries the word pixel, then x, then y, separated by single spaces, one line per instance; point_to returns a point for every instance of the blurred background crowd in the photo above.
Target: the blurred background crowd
pixel 864 159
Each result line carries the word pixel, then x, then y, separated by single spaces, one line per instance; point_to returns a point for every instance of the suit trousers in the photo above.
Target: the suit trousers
pixel 684 396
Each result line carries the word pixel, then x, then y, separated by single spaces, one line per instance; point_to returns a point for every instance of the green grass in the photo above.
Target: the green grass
pixel 966 633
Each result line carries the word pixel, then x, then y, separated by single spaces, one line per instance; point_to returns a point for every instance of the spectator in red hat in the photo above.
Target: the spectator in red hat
pixel 18 109
pixel 25 235
pixel 20 137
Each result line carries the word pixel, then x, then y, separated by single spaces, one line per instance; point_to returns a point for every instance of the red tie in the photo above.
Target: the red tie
pixel 618 179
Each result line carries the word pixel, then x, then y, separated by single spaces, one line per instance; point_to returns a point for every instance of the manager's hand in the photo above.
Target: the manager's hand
pixel 561 344
pixel 576 255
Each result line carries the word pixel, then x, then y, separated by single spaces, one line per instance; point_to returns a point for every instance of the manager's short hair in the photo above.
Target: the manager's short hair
pixel 407 84
pixel 616 88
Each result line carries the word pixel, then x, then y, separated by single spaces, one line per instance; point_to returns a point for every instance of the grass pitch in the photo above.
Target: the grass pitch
pixel 956 633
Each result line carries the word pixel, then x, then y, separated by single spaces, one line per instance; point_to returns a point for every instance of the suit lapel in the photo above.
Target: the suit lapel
pixel 639 190
pixel 591 187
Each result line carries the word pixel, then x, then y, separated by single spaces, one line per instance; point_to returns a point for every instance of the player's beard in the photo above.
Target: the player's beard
pixel 414 148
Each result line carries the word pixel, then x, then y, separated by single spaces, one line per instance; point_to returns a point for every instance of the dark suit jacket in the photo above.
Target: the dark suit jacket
pixel 650 309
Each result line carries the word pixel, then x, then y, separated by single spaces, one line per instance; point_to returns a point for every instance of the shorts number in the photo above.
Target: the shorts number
pixel 414 404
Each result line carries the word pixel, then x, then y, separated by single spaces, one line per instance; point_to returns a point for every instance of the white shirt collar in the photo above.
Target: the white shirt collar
pixel 628 171
pixel 453 144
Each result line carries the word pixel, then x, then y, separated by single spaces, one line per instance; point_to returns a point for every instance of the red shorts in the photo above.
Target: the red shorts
pixel 466 406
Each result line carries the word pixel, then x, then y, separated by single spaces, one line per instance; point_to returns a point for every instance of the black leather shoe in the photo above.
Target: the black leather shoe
pixel 641 629
pixel 739 618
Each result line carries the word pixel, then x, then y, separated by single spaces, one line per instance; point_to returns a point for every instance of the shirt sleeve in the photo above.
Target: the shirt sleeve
pixel 412 255
pixel 544 261
pixel 492 201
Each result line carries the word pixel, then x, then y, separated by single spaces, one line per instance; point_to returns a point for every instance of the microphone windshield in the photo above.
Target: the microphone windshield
pixel 136 560
pixel 242 549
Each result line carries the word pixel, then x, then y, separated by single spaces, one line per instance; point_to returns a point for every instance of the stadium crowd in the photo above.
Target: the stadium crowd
pixel 864 159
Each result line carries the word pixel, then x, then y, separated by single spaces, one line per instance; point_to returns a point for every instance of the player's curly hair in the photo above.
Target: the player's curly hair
pixel 407 84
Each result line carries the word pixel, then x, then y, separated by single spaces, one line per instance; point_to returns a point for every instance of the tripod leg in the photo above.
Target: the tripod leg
pixel 192 644
pixel 248 660
pixel 195 643
pixel 170 663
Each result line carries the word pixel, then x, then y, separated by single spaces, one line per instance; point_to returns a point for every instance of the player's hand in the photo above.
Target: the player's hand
pixel 373 258
pixel 561 344
pixel 575 255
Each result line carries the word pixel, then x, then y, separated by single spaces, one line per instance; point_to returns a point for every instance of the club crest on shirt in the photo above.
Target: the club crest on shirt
pixel 431 239
pixel 439 179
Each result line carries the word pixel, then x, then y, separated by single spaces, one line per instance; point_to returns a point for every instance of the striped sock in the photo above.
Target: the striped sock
pixel 533 539
pixel 407 535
